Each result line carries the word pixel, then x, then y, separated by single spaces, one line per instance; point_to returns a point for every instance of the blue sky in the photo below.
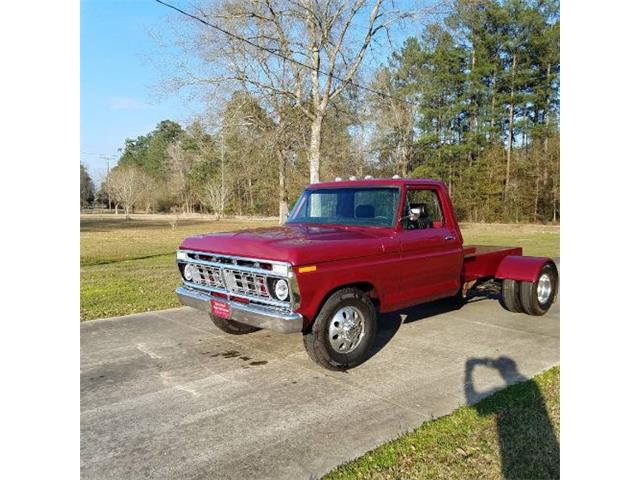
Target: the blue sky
pixel 119 79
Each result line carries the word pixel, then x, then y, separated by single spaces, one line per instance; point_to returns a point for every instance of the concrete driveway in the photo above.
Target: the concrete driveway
pixel 167 395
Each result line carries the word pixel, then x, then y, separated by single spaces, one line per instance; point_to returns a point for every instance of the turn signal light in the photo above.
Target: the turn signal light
pixel 309 268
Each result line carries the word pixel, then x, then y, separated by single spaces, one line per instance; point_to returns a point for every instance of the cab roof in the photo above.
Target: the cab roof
pixel 377 182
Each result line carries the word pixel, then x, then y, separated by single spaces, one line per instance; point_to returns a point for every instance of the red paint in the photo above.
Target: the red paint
pixel 403 267
pixel 521 268
pixel 481 261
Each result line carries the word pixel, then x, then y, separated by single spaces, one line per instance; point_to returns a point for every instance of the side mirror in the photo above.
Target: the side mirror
pixel 414 214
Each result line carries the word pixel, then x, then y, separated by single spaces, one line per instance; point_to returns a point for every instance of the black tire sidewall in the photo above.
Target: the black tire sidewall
pixel 550 269
pixel 529 292
pixel 321 328
pixel 510 296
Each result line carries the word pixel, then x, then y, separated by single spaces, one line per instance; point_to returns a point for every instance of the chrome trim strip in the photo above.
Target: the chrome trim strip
pixel 227 293
pixel 250 314
pixel 258 271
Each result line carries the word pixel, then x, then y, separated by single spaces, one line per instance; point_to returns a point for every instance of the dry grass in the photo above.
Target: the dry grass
pixel 107 238
pixel 537 240
pixel 128 266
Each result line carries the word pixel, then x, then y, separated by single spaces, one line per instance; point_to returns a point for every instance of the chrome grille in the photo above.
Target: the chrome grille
pixel 246 283
pixel 208 276
pixel 243 277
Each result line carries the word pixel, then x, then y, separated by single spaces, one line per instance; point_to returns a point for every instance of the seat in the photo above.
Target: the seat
pixel 365 211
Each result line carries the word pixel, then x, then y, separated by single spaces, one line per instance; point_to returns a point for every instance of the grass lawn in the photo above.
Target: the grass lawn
pixel 511 434
pixel 536 240
pixel 128 266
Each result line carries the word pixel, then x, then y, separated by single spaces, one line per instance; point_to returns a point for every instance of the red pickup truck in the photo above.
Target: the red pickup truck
pixel 349 251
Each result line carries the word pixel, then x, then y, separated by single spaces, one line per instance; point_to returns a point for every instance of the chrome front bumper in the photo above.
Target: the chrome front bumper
pixel 250 314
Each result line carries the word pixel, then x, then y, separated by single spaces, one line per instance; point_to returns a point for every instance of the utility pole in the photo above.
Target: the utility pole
pixel 108 158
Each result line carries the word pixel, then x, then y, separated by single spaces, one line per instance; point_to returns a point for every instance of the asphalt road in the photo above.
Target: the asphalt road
pixel 167 395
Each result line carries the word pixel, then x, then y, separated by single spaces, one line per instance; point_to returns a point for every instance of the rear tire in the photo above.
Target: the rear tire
pixel 537 297
pixel 347 314
pixel 511 296
pixel 231 326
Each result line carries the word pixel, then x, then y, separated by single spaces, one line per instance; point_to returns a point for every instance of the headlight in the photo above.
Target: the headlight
pixel 180 255
pixel 188 272
pixel 282 289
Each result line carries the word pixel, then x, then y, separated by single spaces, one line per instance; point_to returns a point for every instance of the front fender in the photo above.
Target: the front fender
pixel 525 269
pixel 315 286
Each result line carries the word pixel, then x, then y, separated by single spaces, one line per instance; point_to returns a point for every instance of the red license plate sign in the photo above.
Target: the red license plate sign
pixel 221 309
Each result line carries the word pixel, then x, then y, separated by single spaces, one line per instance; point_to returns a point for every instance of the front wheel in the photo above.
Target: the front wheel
pixel 344 330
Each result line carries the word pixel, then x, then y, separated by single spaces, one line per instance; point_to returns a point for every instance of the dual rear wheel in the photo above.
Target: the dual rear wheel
pixel 532 298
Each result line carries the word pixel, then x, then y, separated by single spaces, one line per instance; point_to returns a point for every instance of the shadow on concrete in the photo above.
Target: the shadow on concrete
pixel 528 444
pixel 389 323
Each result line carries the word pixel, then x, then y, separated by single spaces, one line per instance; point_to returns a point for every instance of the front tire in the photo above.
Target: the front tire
pixel 231 326
pixel 537 297
pixel 343 332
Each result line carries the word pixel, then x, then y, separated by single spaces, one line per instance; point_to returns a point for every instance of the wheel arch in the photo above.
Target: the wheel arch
pixel 365 286
pixel 521 268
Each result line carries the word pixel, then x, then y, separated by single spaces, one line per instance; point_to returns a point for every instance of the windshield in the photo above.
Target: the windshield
pixel 347 206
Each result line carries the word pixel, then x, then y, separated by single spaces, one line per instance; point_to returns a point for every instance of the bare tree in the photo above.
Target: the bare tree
pixel 301 52
pixel 274 131
pixel 127 185
pixel 214 194
pixel 394 117
pixel 180 163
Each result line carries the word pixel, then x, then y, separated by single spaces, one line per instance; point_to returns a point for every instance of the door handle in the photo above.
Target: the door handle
pixel 449 237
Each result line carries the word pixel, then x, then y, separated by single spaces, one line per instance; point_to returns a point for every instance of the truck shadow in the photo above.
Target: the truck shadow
pixel 389 323
pixel 528 444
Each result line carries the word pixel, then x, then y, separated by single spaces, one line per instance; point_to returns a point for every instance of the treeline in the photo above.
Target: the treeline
pixel 473 101
pixel 87 188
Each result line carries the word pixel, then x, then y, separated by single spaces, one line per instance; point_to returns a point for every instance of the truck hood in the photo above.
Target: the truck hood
pixel 296 244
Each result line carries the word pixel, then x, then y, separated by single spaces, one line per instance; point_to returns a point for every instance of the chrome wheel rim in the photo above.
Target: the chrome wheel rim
pixel 544 288
pixel 346 329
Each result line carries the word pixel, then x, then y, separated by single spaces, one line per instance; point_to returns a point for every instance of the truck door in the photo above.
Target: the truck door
pixel 431 246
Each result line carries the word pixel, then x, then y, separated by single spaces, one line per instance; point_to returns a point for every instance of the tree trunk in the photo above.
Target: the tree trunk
pixel 493 107
pixel 404 167
pixel 510 136
pixel 537 193
pixel 474 114
pixel 283 206
pixel 314 148
pixel 547 115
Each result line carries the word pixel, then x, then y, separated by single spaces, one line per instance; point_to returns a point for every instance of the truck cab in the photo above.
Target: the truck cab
pixel 349 251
